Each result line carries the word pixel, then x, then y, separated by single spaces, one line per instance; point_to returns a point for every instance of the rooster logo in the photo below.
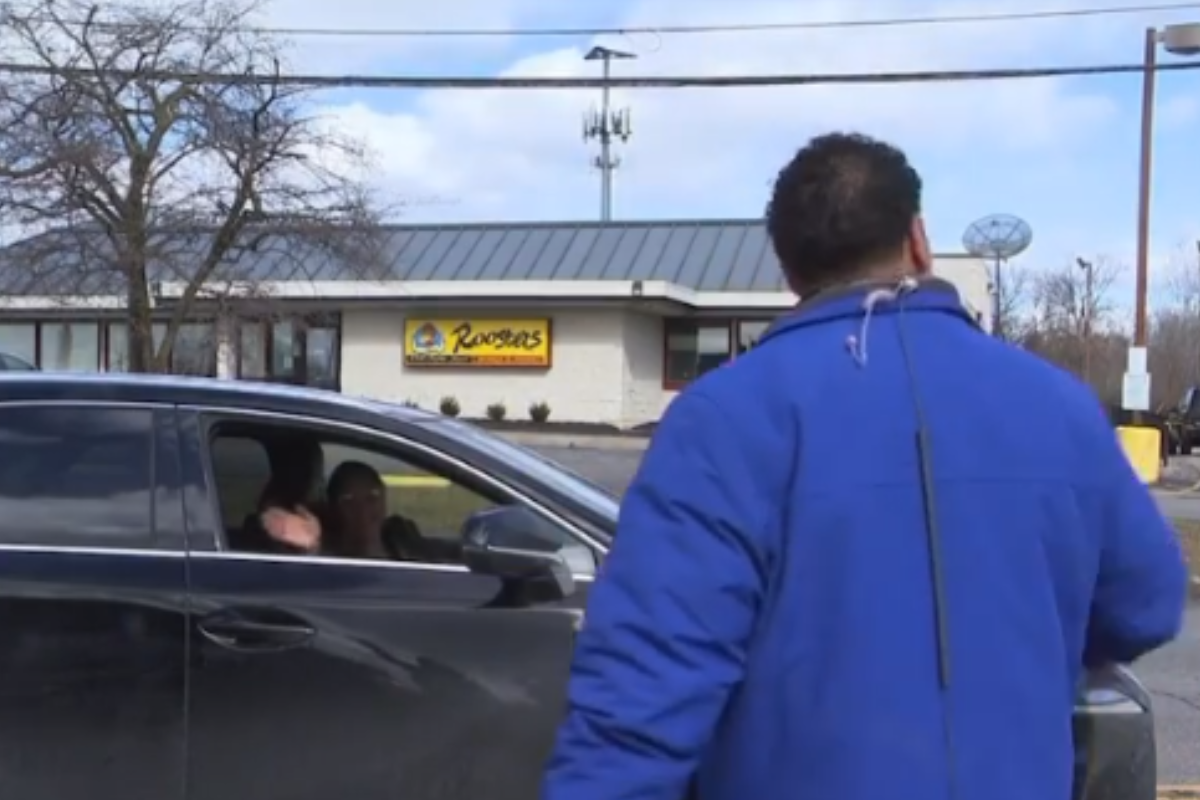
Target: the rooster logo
pixel 427 339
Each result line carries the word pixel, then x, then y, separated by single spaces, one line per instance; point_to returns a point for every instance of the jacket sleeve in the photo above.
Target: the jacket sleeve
pixel 669 619
pixel 1142 585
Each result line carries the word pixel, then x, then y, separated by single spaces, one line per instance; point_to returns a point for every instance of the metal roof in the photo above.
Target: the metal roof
pixel 704 255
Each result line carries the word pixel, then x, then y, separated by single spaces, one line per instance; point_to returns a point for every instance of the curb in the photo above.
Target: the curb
pixel 1190 792
pixel 591 442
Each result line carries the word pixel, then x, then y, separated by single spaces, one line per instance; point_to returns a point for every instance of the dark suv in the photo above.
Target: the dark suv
pixel 152 649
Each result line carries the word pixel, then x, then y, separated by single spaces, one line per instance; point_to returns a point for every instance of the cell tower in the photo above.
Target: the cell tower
pixel 606 125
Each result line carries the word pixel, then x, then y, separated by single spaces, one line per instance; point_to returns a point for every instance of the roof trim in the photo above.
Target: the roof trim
pixel 500 290
pixel 350 291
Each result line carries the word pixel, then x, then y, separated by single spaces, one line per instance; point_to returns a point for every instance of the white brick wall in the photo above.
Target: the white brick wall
pixel 588 381
pixel 973 279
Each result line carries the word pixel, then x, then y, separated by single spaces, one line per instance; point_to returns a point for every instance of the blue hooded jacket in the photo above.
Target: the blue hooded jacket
pixel 766 625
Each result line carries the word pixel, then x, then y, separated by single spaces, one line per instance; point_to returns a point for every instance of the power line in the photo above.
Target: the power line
pixel 646 82
pixel 675 30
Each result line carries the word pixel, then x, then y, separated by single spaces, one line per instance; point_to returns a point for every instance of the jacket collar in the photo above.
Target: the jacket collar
pixel 852 301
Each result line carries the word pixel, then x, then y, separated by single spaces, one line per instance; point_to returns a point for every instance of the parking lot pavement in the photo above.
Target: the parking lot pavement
pixel 1170 675
pixel 612 469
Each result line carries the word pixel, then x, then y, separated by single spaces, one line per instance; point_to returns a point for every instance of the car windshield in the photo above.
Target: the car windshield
pixel 13 364
pixel 537 466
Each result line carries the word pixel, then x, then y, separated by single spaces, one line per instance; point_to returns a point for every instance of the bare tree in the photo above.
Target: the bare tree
pixel 1070 324
pixel 1175 334
pixel 1174 353
pixel 1013 301
pixel 136 180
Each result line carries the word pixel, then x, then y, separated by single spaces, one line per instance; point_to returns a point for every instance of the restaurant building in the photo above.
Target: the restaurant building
pixel 603 322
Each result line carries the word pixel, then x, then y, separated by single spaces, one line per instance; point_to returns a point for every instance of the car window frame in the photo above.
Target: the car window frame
pixel 210 542
pixel 165 535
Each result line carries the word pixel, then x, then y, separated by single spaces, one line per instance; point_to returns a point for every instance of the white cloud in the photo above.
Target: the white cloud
pixel 508 155
pixel 699 152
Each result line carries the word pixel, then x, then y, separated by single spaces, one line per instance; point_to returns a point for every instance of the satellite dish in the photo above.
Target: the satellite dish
pixel 997 238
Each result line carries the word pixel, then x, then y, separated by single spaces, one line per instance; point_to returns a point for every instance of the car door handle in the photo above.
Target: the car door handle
pixel 240 633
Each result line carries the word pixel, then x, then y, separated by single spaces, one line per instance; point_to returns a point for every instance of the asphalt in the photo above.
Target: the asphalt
pixel 1171 675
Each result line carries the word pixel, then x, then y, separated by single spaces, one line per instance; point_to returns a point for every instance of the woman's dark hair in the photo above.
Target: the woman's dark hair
pixel 296 463
pixel 843 202
pixel 347 472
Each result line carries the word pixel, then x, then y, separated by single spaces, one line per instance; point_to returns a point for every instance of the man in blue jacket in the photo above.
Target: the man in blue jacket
pixel 870 558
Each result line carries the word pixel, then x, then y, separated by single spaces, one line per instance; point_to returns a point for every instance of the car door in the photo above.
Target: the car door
pixel 320 677
pixel 92 603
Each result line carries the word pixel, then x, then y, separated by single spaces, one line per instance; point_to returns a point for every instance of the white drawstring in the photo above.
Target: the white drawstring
pixel 857 345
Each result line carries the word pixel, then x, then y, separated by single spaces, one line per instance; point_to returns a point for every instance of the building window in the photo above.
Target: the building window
pixel 116 348
pixel 693 348
pixel 749 331
pixel 252 352
pixel 19 339
pixel 195 351
pixel 301 350
pixel 70 346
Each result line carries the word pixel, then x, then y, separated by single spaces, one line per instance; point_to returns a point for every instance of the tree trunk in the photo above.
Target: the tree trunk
pixel 140 322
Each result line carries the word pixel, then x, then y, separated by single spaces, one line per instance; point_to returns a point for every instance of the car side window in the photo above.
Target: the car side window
pixel 438 506
pixel 76 476
pixel 241 469
pixel 370 501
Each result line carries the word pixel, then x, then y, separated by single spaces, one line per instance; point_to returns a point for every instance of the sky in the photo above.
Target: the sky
pixel 1060 153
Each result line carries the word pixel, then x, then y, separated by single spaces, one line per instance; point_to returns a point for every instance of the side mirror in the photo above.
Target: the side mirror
pixel 1113 729
pixel 504 542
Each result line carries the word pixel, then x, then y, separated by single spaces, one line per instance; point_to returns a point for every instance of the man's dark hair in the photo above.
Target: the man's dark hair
pixel 844 202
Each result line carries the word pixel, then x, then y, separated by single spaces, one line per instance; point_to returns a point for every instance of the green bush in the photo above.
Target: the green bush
pixel 411 404
pixel 449 406
pixel 496 412
pixel 539 412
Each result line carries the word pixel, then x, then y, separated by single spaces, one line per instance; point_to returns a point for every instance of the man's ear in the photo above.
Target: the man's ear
pixel 919 252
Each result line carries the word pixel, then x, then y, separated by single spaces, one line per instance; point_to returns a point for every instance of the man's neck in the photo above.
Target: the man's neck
pixel 864 280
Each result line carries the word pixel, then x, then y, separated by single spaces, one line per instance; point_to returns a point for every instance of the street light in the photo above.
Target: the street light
pixel 1180 40
pixel 1088 282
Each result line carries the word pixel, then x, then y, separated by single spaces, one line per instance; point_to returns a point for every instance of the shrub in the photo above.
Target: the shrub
pixel 410 403
pixel 496 412
pixel 449 406
pixel 539 412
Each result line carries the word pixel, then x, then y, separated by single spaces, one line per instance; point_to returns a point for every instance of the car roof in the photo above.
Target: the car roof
pixel 192 391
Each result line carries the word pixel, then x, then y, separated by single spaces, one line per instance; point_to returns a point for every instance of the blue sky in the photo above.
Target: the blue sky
pixel 1060 153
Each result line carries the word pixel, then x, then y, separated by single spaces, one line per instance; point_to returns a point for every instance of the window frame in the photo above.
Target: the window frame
pixel 303 323
pixel 158 539
pixel 208 538
pixel 673 325
pixel 37 326
pixel 99 356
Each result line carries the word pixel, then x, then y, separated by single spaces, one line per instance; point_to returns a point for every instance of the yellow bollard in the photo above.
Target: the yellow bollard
pixel 1143 446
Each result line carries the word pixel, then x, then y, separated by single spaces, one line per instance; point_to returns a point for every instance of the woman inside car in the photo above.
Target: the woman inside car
pixel 357 510
pixel 359 525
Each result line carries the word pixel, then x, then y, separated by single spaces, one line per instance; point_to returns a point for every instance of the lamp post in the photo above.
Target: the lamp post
pixel 1181 40
pixel 1088 309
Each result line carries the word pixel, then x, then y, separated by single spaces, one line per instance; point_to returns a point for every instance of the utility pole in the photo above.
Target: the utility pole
pixel 1089 305
pixel 605 125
